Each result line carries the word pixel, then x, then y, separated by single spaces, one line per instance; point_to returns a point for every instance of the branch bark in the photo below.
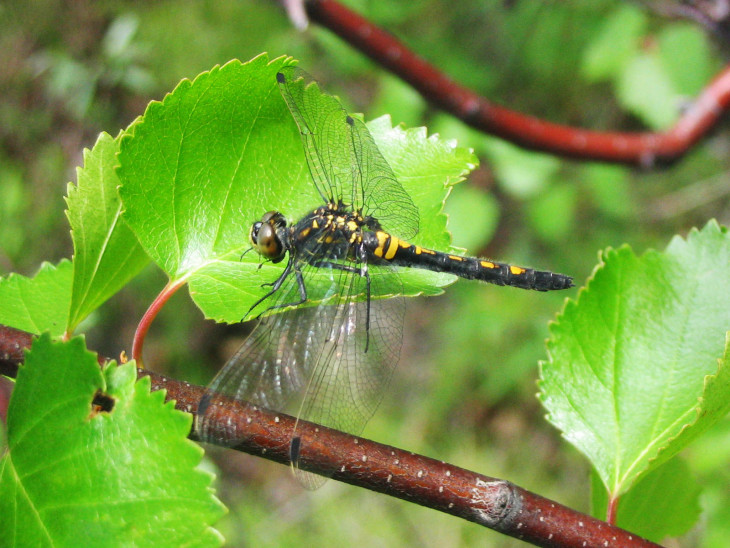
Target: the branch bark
pixel 491 502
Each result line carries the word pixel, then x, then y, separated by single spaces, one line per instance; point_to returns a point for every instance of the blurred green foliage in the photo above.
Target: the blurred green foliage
pixel 464 391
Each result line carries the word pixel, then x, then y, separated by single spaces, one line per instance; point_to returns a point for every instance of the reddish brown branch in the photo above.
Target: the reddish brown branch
pixel 643 149
pixel 494 503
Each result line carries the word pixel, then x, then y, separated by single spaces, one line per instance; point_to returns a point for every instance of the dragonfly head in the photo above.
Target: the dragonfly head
pixel 268 236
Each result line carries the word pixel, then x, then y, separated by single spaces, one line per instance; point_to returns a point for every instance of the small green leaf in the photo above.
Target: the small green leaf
pixel 76 473
pixel 473 216
pixel 629 359
pixel 664 503
pixel 645 89
pixel 522 173
pixel 686 55
pixel 610 188
pixel 106 253
pixel 40 303
pixel 200 167
pixel 552 214
pixel 616 44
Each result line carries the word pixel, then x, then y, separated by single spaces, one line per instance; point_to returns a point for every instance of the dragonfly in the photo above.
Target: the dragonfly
pixel 328 355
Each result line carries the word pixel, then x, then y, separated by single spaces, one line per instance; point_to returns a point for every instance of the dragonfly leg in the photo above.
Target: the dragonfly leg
pixel 363 272
pixel 362 253
pixel 302 292
pixel 277 284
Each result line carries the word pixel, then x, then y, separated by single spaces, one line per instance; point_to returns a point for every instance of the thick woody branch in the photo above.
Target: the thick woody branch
pixel 494 503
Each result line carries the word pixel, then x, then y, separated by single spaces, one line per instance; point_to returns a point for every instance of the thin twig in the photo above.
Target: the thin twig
pixel 641 149
pixel 698 194
pixel 493 503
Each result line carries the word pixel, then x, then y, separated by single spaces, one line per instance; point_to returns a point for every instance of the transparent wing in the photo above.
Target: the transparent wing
pixel 343 158
pixel 383 196
pixel 354 364
pixel 318 363
pixel 275 362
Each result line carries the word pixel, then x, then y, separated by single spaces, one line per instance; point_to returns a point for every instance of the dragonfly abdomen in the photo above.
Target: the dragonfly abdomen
pixel 401 253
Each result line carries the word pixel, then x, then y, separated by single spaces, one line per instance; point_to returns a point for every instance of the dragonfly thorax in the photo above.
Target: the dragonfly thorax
pixel 269 236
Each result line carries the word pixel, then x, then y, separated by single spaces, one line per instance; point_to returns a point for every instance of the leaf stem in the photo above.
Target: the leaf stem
pixel 611 510
pixel 149 316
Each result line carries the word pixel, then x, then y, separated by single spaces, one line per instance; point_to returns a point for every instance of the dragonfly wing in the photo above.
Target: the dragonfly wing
pixel 318 117
pixel 383 196
pixel 323 363
pixel 274 363
pixel 357 352
pixel 343 158
pixel 269 369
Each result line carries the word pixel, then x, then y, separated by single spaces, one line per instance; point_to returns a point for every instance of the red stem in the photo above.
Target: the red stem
pixel 149 316
pixel 643 149
pixel 612 510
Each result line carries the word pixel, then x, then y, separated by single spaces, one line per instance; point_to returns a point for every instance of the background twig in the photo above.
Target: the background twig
pixel 642 149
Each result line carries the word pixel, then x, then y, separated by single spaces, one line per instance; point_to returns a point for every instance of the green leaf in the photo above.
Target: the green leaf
pixel 686 56
pixel 75 473
pixel 40 303
pixel 629 360
pixel 615 45
pixel 522 173
pixel 188 164
pixel 714 402
pixel 611 189
pixel 645 89
pixel 664 503
pixel 552 214
pixel 473 216
pixel 201 166
pixel 427 167
pixel 106 253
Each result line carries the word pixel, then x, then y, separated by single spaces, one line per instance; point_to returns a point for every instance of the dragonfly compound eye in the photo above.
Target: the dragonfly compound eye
pixel 253 236
pixel 266 241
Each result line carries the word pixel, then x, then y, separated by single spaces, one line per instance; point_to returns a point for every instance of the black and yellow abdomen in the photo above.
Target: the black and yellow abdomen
pixel 401 253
